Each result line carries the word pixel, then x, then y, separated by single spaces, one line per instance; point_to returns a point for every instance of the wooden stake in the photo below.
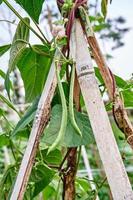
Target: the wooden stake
pixel 109 153
pixel 40 121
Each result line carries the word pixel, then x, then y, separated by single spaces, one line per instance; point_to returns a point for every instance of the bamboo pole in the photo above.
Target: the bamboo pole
pixel 40 121
pixel 108 150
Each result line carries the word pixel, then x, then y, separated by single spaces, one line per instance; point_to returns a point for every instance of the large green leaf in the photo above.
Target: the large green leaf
pixel 41 175
pixel 34 68
pixel 0 1
pixel 4 49
pixel 27 118
pixel 20 40
pixel 32 7
pixel 71 139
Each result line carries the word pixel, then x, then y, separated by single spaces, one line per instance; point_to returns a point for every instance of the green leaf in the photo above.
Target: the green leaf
pixel 9 104
pixel 128 98
pixel 32 7
pixel 34 69
pixel 41 175
pixel 27 118
pixel 42 50
pixel 121 83
pixel 54 157
pixel 4 49
pixel 83 183
pixel 3 75
pixel 20 40
pixel 71 139
pixel 104 4
pixel 0 1
pixel 49 192
pixel 7 181
pixel 4 140
pixel 19 43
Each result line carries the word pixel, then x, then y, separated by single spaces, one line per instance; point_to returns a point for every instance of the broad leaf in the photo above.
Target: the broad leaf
pixel 104 5
pixel 4 49
pixel 27 118
pixel 4 140
pixel 128 98
pixel 32 7
pixel 19 43
pixel 71 139
pixel 0 1
pixel 34 69
pixel 41 176
pixel 53 157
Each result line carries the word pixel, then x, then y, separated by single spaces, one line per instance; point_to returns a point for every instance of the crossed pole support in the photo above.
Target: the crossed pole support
pixel 109 153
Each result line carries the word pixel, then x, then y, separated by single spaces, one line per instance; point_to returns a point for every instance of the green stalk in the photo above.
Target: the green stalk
pixel 64 113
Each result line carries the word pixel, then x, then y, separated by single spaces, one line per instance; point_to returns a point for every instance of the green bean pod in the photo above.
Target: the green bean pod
pixel 64 114
pixel 71 109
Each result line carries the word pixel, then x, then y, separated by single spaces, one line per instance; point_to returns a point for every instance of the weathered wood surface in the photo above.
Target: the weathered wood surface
pixel 40 121
pixel 109 153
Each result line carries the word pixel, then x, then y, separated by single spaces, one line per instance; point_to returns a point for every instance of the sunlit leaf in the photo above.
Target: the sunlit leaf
pixel 34 68
pixel 128 98
pixel 4 140
pixel 32 7
pixel 19 43
pixel 4 49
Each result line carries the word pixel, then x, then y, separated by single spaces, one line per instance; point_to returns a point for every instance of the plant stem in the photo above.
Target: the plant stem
pixel 69 176
pixel 40 31
pixel 19 16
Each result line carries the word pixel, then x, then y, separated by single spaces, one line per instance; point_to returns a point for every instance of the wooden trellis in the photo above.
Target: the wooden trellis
pixel 109 153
